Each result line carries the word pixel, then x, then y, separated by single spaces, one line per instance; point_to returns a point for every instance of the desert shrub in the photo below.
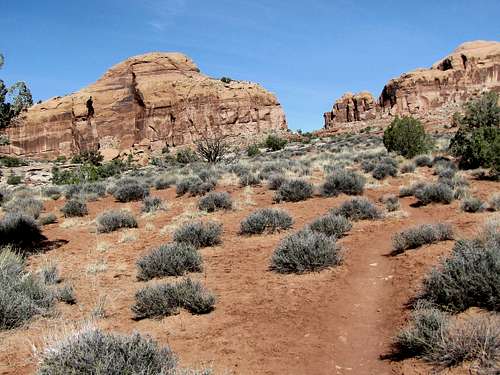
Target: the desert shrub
pixel 253 150
pixel 331 225
pixel 343 181
pixel 294 191
pixel 434 193
pixel 305 251
pixel 391 202
pixel 477 141
pixel 73 208
pixel 446 342
pixel 66 294
pixel 423 161
pixel 383 170
pixel 52 192
pixel 185 156
pixel 266 220
pixel 112 220
pixel 472 204
pixel 358 208
pixel 14 179
pixel 151 204
pixel 408 167
pixel 212 149
pixel 469 277
pixel 22 295
pixel 12 161
pixel 20 231
pixel 25 205
pixel 194 186
pixel 421 336
pixel 215 201
pixel 47 219
pixel 421 235
pixel 408 191
pixel 406 136
pixel 164 182
pixel 448 173
pixel 494 202
pixel 199 234
pixel 169 260
pixel 92 351
pixel 274 143
pixel 131 192
pixel 275 180
pixel 93 157
pixel 249 179
pixel 166 299
pixel 49 274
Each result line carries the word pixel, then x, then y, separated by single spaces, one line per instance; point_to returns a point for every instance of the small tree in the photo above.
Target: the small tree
pixel 477 141
pixel 275 143
pixel 20 99
pixel 407 137
pixel 212 150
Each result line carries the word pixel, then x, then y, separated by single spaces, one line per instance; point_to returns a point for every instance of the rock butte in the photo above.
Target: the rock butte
pixel 143 104
pixel 432 95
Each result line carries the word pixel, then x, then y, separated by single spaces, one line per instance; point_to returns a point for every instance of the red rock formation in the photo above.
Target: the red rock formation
pixel 430 94
pixel 145 102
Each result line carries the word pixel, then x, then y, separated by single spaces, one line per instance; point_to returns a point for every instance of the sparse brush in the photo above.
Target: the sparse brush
pixel 164 182
pixel 194 186
pixel 112 220
pixel 52 192
pixel 66 294
pixel 331 225
pixel 305 251
pixel 74 208
pixel 391 202
pixel 383 170
pixel 343 181
pixel 266 220
pixel 494 202
pixel 20 231
pixel 47 219
pixel 199 234
pixel 408 167
pixel 131 192
pixel 152 204
pixel 28 206
pixel 22 295
pixel 423 161
pixel 49 274
pixel 469 277
pixel 421 235
pixel 174 259
pixel 294 191
pixel 214 201
pixel 249 179
pixel 358 208
pixel 435 193
pixel 275 181
pixel 472 204
pixel 408 191
pixel 92 351
pixel 166 299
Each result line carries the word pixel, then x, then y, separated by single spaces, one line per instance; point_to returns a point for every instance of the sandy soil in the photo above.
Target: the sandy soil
pixel 338 321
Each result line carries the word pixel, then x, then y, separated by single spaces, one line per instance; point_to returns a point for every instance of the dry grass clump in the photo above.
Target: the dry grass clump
pixel 25 205
pixel 331 225
pixel 472 205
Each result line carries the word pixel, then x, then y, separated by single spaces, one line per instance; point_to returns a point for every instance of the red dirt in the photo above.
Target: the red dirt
pixel 338 321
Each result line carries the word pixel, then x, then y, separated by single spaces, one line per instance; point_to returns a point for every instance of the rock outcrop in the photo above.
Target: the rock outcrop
pixel 146 102
pixel 432 94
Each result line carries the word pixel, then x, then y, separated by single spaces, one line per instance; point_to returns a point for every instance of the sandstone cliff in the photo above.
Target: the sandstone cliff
pixel 146 103
pixel 432 95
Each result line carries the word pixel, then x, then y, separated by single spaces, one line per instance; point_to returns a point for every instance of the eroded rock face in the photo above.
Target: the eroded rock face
pixel 146 102
pixel 429 94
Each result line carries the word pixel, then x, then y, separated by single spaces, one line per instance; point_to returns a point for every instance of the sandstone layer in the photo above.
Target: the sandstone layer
pixel 145 103
pixel 432 95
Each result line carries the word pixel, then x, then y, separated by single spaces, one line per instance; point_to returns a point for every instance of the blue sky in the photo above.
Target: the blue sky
pixel 307 52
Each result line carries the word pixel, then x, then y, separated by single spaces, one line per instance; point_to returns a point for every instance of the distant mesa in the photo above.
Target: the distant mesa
pixel 145 103
pixel 432 95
